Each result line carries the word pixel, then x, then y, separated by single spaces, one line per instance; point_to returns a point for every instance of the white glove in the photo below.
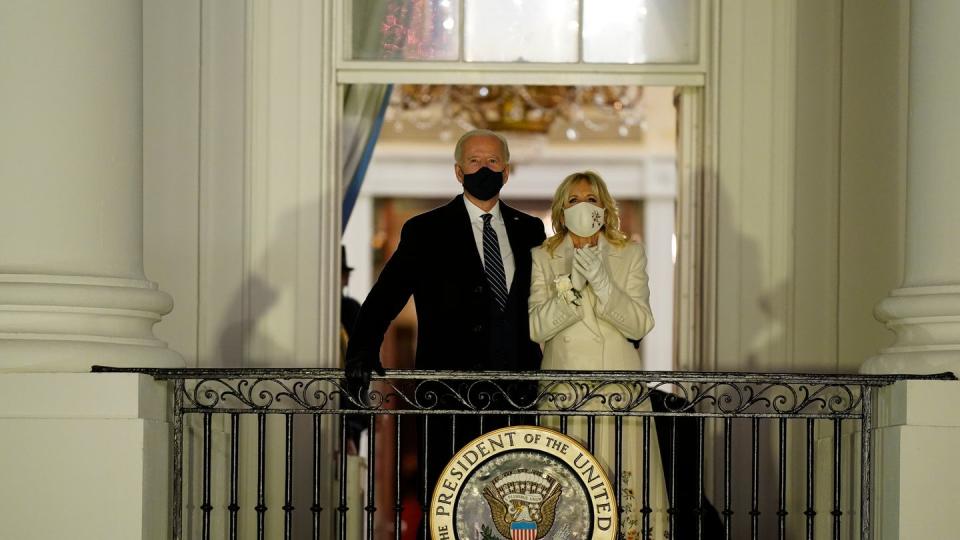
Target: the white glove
pixel 589 263
pixel 579 281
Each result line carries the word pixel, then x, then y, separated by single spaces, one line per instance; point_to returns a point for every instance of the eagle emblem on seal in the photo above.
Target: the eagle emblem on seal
pixel 523 503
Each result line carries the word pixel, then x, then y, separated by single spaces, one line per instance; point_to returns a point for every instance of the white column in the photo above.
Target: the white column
pixel 917 429
pixel 72 288
pixel 925 312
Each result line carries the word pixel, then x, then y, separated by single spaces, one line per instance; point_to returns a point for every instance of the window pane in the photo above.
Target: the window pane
pixel 521 30
pixel 640 31
pixel 406 29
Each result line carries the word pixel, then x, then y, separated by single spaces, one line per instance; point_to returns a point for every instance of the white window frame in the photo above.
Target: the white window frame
pixel 349 71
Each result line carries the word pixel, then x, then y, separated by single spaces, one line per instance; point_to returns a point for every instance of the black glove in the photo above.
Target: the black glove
pixel 358 377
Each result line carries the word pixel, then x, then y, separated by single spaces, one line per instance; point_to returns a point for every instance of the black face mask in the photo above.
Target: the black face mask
pixel 484 184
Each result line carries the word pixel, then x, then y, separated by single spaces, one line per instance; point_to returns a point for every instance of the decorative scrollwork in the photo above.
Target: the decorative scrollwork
pixel 777 398
pixel 618 394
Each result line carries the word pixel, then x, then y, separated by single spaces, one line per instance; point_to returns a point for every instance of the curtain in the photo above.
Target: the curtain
pixel 364 107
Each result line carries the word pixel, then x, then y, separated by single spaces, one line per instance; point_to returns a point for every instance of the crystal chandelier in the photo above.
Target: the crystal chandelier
pixel 519 109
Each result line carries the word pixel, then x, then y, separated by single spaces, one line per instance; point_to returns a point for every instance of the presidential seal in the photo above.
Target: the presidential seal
pixel 523 483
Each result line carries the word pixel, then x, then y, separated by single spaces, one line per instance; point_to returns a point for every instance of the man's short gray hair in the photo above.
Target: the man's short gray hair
pixel 458 151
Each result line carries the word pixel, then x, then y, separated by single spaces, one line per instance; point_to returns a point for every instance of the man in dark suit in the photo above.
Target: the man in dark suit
pixel 440 261
pixel 467 265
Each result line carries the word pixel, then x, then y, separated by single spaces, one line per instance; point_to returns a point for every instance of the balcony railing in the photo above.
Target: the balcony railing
pixel 757 447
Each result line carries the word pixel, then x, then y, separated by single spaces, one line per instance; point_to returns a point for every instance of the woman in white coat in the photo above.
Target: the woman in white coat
pixel 588 300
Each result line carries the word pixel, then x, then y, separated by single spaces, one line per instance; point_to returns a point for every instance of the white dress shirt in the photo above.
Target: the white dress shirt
pixel 476 221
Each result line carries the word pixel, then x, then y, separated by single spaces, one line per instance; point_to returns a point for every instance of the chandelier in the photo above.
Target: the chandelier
pixel 519 109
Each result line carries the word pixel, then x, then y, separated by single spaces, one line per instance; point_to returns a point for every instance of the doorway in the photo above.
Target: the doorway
pixel 630 143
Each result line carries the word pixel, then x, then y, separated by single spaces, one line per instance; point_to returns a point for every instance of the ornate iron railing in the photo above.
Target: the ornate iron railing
pixel 677 406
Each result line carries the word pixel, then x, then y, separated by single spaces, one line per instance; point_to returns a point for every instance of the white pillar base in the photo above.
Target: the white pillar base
pixel 926 321
pixel 69 323
pixel 85 456
pixel 917 436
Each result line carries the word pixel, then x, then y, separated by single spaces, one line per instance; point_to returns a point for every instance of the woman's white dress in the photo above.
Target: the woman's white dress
pixel 593 336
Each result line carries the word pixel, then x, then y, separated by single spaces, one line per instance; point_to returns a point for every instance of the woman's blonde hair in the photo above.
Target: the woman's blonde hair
pixel 611 216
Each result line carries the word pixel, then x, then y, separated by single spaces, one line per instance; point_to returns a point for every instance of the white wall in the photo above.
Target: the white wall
pixel 233 183
pixel 809 188
pixel 810 182
pixel 238 201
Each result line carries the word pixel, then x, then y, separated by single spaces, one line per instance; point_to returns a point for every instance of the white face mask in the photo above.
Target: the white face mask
pixel 583 219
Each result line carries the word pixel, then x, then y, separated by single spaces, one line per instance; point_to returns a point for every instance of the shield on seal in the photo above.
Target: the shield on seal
pixel 523 530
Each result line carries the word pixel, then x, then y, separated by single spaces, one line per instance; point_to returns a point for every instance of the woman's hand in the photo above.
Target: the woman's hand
pixel 589 264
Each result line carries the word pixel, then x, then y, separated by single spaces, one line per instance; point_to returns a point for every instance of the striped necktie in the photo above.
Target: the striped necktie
pixel 493 264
